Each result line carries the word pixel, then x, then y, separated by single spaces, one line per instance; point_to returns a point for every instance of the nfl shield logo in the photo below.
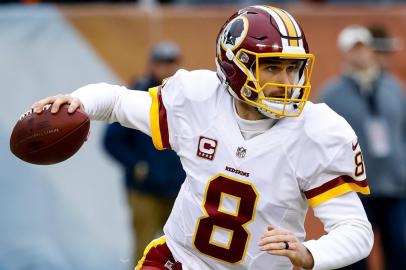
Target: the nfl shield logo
pixel 241 152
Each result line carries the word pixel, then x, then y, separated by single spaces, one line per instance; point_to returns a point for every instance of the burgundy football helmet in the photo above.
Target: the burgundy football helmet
pixel 251 35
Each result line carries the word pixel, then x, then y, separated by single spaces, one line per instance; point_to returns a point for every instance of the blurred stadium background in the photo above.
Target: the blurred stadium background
pixel 73 215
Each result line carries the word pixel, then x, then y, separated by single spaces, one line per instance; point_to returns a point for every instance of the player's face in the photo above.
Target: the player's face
pixel 278 72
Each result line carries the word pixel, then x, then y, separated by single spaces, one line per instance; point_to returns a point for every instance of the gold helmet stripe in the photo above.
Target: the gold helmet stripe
pixel 290 26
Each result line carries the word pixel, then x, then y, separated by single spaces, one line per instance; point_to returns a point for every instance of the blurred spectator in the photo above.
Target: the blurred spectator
pixel 374 103
pixel 152 178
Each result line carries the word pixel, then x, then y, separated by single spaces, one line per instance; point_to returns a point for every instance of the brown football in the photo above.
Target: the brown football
pixel 48 138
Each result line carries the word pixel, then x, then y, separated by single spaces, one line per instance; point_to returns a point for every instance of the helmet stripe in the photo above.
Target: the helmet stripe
pixel 289 25
pixel 279 22
pixel 299 33
pixel 298 30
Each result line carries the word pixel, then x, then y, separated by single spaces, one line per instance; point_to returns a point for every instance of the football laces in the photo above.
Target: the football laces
pixel 26 113
pixel 30 111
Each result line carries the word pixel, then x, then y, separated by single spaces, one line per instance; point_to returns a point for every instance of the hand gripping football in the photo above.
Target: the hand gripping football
pixel 48 138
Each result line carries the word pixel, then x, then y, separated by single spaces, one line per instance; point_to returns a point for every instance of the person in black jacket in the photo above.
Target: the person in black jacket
pixel 153 178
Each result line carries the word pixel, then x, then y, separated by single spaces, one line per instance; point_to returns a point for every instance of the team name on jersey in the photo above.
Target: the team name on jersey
pixel 230 169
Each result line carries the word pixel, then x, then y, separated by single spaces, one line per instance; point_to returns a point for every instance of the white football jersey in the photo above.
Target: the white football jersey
pixel 235 187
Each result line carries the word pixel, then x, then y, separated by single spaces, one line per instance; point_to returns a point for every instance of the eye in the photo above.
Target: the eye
pixel 294 67
pixel 273 68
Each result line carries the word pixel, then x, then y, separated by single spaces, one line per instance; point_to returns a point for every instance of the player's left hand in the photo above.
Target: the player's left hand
pixel 284 243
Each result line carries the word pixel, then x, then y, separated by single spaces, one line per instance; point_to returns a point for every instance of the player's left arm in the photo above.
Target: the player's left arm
pixel 332 194
pixel 349 235
pixel 282 242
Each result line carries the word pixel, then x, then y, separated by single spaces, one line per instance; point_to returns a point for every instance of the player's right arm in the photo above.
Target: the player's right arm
pixel 164 113
pixel 106 102
pixel 56 102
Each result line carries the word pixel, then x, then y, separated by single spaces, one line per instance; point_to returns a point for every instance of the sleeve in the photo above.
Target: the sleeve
pixel 343 173
pixel 158 119
pixel 182 107
pixel 330 170
pixel 112 103
pixel 349 235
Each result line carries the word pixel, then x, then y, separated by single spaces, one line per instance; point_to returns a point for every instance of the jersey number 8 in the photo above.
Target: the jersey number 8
pixel 233 222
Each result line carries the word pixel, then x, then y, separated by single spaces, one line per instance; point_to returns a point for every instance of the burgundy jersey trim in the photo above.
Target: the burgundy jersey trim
pixel 334 183
pixel 163 124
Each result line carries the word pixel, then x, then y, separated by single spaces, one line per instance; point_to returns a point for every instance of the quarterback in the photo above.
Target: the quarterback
pixel 256 152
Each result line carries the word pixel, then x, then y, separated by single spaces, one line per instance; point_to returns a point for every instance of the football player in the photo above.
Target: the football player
pixel 256 152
